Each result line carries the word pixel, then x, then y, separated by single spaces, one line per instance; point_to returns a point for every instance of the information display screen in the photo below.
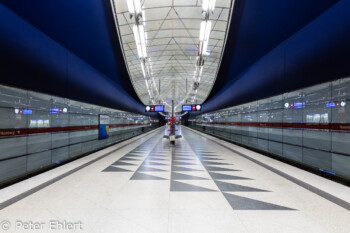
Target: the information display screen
pixel 194 107
pixel 154 108
pixel 159 108
pixel 186 107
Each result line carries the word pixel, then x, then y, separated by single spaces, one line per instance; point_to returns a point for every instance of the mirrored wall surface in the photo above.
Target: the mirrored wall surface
pixel 310 126
pixel 39 130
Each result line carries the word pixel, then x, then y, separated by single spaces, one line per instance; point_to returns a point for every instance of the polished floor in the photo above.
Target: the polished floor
pixel 201 184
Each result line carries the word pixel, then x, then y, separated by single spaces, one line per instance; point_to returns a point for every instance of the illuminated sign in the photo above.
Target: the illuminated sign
pixel 23 111
pixel 295 105
pixel 27 112
pixel 154 108
pixel 332 104
pixel 194 107
pixel 58 110
pixel 335 104
pixel 54 110
pixel 186 107
pixel 299 105
pixel 159 108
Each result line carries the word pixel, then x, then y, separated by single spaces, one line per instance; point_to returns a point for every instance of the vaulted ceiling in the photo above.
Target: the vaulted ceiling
pixel 172 42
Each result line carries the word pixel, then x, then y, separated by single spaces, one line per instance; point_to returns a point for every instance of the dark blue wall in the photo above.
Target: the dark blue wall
pixel 318 52
pixel 32 60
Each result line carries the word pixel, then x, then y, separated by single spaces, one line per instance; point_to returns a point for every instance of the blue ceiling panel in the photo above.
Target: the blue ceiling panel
pixel 259 26
pixel 31 60
pixel 85 27
pixel 317 53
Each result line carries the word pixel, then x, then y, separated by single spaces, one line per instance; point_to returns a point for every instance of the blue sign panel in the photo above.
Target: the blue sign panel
pixel 193 107
pixel 330 105
pixel 159 108
pixel 27 112
pixel 186 107
pixel 154 108
pixel 299 105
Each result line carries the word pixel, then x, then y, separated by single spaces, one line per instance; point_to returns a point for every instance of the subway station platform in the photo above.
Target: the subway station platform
pixel 200 184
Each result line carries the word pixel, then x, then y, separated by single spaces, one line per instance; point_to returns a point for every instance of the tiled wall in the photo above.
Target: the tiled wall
pixel 38 130
pixel 310 126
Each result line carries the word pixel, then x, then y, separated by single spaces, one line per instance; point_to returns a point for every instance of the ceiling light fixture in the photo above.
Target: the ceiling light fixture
pixel 204 37
pixel 139 34
pixel 134 7
pixel 143 69
pixel 208 5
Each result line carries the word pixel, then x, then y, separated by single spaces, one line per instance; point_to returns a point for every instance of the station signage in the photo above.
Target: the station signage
pixel 58 110
pixel 23 111
pixel 193 107
pixel 154 108
pixel 103 126
pixel 104 120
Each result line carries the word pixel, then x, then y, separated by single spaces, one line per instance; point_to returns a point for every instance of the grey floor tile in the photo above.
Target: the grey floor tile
pixel 244 203
pixel 142 176
pixel 123 163
pixel 180 176
pixel 211 168
pixel 115 169
pixel 214 163
pixel 147 162
pixel 156 159
pixel 218 176
pixel 176 186
pixel 207 159
pixel 178 169
pixel 223 186
pixel 206 155
pixel 128 159
pixel 181 158
pixel 134 155
pixel 182 163
pixel 149 169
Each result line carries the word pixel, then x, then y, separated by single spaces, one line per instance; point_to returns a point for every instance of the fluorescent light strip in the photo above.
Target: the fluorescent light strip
pixel 208 5
pixel 205 5
pixel 137 6
pixel 212 5
pixel 139 34
pixel 131 6
pixel 202 30
pixel 142 40
pixel 137 40
pixel 134 6
pixel 204 35
pixel 143 69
